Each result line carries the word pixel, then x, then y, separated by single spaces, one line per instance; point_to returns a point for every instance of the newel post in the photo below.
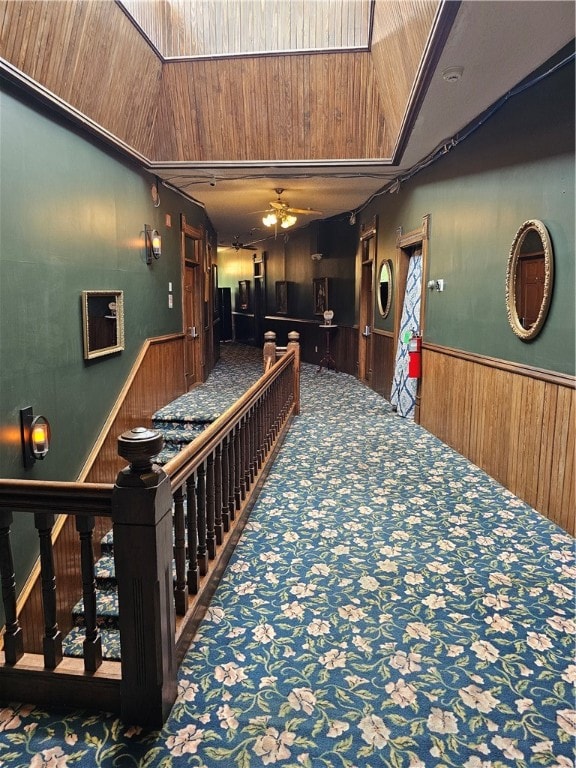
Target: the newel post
pixel 269 351
pixel 294 343
pixel 142 518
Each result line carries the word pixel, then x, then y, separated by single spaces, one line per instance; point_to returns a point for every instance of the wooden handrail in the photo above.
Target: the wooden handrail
pixel 56 497
pixel 189 458
pixel 203 495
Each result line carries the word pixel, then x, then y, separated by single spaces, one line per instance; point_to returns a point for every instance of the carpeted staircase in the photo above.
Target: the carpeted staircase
pixel 180 422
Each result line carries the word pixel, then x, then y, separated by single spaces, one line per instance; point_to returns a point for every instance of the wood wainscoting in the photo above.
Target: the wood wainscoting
pixel 343 343
pixel 515 422
pixel 156 378
pixel 382 362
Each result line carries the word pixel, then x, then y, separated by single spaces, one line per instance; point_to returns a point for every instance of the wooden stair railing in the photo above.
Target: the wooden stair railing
pixel 192 510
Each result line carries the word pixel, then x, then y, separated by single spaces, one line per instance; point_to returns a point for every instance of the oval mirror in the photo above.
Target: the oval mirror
pixel 529 279
pixel 385 287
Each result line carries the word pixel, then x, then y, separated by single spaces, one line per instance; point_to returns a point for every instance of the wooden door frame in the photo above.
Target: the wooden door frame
pixel 198 234
pixel 404 243
pixel 365 312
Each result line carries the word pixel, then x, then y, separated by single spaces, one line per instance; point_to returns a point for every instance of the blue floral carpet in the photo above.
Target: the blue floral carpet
pixel 388 604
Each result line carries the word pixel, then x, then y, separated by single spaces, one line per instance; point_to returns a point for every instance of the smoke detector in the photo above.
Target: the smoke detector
pixel 453 74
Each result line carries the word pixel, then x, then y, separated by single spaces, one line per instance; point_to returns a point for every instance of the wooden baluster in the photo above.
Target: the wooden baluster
pixel 275 409
pixel 192 526
pixel 286 394
pixel 248 451
pixel 225 477
pixel 268 411
pixel 201 519
pixel 92 645
pixel 243 459
pixel 252 417
pixel 232 475
pixel 261 433
pixel 210 508
pixel 218 494
pixel 237 467
pixel 13 637
pixel 180 596
pixel 52 640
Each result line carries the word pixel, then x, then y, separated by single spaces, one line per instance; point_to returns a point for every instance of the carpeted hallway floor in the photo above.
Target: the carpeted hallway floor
pixel 388 604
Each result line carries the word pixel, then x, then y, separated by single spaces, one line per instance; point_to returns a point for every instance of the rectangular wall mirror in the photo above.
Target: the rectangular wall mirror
pixel 102 322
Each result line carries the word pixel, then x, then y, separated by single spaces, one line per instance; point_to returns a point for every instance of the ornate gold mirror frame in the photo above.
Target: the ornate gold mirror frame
pixel 529 278
pixel 102 322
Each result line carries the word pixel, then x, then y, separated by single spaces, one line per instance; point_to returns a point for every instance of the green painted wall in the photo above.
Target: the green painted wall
pixel 518 166
pixel 71 219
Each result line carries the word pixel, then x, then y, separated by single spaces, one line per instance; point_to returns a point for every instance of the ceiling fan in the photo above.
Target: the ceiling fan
pixel 237 245
pixel 282 213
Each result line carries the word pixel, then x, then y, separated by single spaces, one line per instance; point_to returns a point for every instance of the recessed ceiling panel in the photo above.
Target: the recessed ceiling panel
pixel 208 28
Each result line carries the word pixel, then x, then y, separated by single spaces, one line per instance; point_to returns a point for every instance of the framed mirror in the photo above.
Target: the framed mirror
pixel 385 287
pixel 529 279
pixel 102 323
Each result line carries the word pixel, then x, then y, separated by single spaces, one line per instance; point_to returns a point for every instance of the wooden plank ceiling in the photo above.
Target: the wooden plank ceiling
pixel 190 28
pixel 341 104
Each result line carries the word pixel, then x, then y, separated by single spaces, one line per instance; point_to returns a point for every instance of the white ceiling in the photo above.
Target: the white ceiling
pixel 498 43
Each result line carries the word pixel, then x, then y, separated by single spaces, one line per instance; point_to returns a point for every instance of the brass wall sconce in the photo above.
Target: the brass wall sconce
pixel 153 243
pixel 35 434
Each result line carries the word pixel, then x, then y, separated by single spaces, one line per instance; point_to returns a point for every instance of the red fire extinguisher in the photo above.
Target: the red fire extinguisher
pixel 415 356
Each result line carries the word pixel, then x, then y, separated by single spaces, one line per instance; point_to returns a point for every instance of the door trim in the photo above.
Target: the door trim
pixel 405 243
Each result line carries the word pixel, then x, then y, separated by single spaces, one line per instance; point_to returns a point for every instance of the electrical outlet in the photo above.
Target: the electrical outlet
pixel 315 349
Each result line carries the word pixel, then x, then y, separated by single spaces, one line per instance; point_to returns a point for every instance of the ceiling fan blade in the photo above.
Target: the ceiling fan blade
pixel 279 205
pixel 237 247
pixel 301 210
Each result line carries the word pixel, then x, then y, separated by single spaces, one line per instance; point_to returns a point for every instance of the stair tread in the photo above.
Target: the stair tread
pixel 73 642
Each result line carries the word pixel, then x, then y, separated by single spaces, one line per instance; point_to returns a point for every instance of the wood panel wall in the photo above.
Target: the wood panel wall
pixel 183 28
pixel 515 422
pixel 157 377
pixel 276 107
pixel 343 342
pixel 305 107
pixel 90 55
pixel 382 362
pixel 399 35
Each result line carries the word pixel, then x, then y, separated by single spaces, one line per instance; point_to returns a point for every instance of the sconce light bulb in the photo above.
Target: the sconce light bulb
pixel 156 244
pixel 39 437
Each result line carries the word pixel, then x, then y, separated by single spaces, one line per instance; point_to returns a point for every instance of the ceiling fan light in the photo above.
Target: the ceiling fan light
pixel 270 220
pixel 288 221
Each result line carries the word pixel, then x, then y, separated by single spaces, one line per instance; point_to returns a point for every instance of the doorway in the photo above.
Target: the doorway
pixel 192 250
pixel 412 250
pixel 259 297
pixel 366 308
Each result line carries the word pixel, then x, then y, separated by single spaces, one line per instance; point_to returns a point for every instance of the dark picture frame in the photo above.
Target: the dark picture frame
pixel 244 294
pixel 320 295
pixel 281 297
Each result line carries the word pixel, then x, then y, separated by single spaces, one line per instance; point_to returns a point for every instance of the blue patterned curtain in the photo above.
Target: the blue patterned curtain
pixel 403 395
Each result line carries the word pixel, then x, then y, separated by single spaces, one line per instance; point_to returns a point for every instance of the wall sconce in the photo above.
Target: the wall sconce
pixel 153 243
pixel 35 435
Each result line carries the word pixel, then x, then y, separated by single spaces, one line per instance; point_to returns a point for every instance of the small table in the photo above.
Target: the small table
pixel 327 361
